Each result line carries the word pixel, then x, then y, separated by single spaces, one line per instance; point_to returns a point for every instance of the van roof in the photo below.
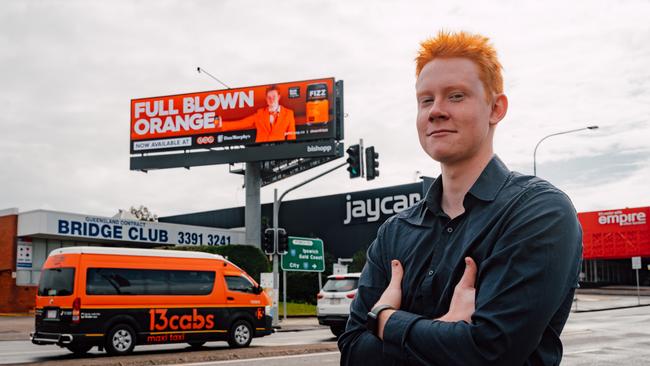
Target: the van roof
pixel 136 252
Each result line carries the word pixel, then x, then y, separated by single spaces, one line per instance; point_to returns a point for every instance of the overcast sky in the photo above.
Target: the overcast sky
pixel 68 70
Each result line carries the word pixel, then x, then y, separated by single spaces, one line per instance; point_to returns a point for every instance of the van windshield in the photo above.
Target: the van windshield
pixel 56 282
pixel 341 285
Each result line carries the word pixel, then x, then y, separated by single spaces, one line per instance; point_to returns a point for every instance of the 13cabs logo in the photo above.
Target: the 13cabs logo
pixel 159 320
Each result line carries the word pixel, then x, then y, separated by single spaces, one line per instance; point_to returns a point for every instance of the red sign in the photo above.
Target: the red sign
pixel 613 234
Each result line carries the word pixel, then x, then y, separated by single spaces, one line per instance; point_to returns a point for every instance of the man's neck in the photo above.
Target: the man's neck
pixel 457 179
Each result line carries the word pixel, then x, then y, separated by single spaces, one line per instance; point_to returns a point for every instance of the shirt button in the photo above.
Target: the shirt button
pixel 450 229
pixel 430 273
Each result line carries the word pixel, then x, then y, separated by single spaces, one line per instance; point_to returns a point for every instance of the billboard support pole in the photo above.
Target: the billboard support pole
pixel 253 211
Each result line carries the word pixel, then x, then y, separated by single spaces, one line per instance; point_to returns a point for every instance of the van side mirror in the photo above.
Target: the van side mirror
pixel 257 290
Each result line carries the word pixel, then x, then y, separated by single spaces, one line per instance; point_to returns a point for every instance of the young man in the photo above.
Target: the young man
pixel 483 270
pixel 272 123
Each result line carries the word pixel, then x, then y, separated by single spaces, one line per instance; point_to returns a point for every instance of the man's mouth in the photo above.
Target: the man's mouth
pixel 440 132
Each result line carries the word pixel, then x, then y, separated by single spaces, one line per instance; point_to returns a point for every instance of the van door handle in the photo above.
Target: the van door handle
pixel 230 298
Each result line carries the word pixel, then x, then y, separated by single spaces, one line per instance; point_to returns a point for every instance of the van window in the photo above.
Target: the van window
pixel 341 285
pixel 121 281
pixel 56 282
pixel 238 283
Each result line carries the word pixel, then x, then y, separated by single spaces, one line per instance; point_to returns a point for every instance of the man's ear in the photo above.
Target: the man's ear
pixel 499 109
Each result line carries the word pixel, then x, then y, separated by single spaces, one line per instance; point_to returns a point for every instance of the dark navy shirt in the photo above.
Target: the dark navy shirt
pixel 525 237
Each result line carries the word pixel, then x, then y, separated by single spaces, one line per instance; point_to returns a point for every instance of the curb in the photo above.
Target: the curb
pixel 15 315
pixel 291 329
pixel 199 356
pixel 612 308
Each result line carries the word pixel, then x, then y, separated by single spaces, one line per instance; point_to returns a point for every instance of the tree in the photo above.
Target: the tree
pixel 358 261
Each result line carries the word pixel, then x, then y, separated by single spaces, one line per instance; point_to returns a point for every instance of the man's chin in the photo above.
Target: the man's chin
pixel 442 157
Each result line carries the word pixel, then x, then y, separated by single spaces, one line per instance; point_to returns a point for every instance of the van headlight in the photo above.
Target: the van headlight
pixel 268 310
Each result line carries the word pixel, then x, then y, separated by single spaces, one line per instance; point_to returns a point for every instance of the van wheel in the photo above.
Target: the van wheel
pixel 240 335
pixel 196 344
pixel 121 340
pixel 337 330
pixel 79 349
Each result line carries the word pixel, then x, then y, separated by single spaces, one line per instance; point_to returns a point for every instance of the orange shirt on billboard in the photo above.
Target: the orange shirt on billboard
pixel 283 127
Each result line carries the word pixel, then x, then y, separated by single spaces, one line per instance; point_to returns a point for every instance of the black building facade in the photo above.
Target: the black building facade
pixel 346 222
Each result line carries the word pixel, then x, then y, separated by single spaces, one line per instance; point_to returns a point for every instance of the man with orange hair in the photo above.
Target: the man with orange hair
pixel 483 270
pixel 272 123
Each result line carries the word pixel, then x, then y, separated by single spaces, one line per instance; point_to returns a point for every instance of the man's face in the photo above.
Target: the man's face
pixel 453 119
pixel 272 98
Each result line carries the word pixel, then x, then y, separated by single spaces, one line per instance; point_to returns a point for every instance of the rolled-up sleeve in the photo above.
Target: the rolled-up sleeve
pixel 358 346
pixel 527 277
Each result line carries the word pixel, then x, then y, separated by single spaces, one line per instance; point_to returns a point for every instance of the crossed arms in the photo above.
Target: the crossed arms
pixel 524 291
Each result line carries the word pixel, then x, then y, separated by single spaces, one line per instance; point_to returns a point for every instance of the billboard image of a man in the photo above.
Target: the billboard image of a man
pixel 272 123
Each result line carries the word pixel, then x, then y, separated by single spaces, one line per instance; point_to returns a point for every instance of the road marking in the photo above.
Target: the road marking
pixel 29 352
pixel 254 359
pixel 583 351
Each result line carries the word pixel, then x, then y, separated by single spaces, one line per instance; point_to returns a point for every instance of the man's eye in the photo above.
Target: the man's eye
pixel 426 100
pixel 456 97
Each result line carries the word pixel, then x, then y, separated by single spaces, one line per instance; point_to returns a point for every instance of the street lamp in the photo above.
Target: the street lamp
pixel 555 134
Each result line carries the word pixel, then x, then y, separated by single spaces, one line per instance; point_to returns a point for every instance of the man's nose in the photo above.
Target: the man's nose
pixel 437 111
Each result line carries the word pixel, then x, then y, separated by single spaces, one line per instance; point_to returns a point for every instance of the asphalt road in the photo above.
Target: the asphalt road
pixel 604 338
pixel 14 352
pixel 611 337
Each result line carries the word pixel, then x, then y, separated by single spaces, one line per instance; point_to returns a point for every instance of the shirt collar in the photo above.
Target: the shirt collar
pixel 491 180
pixel 486 188
pixel 428 206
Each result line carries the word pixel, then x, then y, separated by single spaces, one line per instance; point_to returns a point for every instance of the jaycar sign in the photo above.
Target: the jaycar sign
pixel 366 210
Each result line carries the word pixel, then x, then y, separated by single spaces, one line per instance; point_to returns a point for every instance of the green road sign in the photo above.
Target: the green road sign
pixel 305 255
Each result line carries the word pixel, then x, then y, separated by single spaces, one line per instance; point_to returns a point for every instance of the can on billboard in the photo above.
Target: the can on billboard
pixel 317 103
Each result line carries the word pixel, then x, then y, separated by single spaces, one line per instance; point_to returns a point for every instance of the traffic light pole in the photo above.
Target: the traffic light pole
pixel 361 156
pixel 276 257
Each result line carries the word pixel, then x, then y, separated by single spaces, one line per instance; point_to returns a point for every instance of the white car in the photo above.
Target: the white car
pixel 334 300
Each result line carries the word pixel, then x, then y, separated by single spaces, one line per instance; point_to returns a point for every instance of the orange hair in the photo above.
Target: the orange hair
pixel 467 45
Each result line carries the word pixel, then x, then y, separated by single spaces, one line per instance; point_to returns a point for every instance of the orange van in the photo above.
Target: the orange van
pixel 117 298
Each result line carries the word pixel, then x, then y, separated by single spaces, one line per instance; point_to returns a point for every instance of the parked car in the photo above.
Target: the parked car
pixel 117 298
pixel 334 300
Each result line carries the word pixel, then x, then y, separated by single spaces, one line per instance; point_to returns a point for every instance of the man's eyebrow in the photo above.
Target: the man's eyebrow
pixel 455 85
pixel 462 86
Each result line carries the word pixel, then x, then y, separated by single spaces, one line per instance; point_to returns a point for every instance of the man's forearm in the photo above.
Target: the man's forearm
pixel 362 348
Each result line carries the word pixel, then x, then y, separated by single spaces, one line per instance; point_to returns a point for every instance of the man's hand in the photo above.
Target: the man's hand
pixel 392 296
pixel 463 302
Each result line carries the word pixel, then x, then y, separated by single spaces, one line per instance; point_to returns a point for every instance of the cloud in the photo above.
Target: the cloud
pixel 69 69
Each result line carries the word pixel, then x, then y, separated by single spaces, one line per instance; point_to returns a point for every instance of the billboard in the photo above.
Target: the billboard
pixel 290 112
pixel 615 234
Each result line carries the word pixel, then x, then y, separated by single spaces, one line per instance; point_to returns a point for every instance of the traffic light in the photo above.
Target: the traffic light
pixel 267 242
pixel 372 163
pixel 283 242
pixel 354 161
